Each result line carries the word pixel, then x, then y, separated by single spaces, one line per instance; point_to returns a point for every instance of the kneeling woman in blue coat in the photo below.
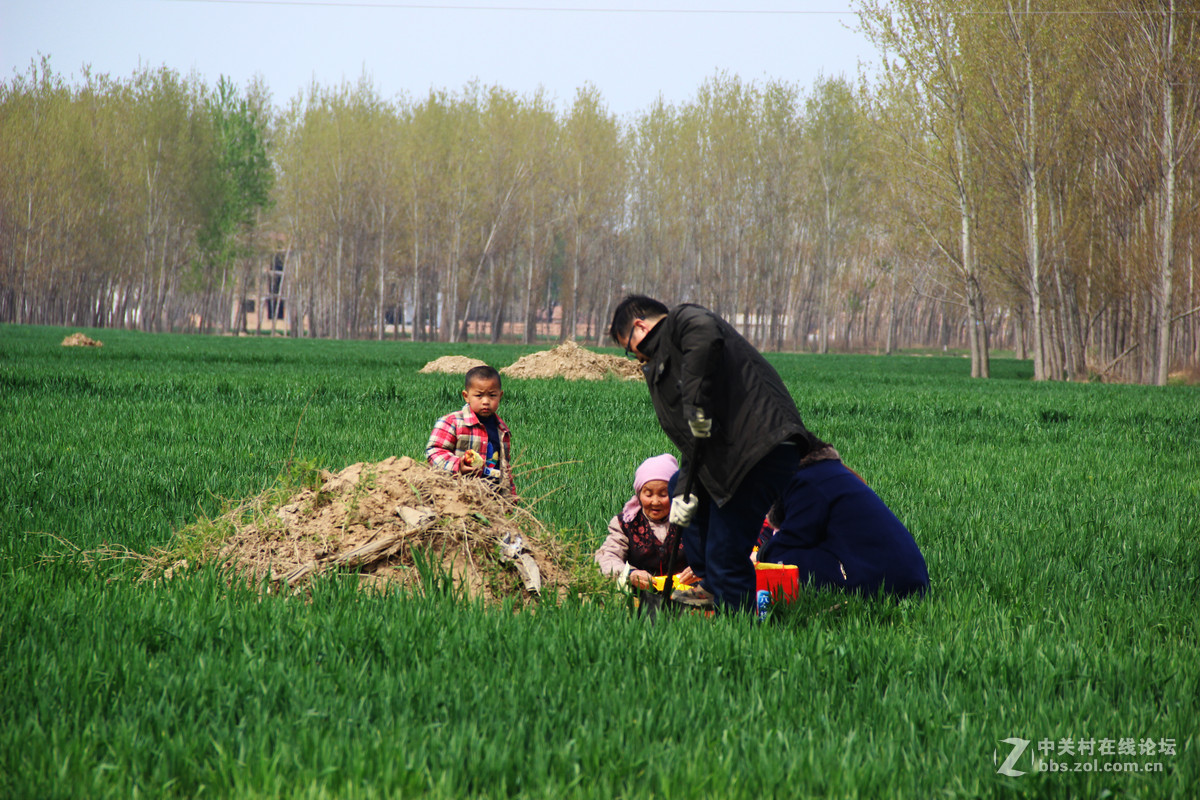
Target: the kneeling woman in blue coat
pixel 840 534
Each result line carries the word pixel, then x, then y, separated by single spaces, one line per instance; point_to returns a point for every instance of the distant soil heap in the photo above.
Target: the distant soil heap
pixel 377 519
pixel 453 364
pixel 573 362
pixel 80 340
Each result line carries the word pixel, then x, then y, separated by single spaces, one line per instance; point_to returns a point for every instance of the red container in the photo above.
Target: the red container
pixel 781 580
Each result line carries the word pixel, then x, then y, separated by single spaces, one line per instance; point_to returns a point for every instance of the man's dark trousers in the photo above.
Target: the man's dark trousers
pixel 719 540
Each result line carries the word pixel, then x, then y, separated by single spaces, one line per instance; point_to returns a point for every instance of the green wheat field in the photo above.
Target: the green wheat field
pixel 1060 522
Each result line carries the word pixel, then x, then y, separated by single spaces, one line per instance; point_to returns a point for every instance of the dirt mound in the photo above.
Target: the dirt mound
pixel 1189 376
pixel 80 340
pixel 452 364
pixel 390 522
pixel 573 362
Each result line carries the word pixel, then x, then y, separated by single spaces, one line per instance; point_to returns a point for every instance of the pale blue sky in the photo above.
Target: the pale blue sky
pixel 630 51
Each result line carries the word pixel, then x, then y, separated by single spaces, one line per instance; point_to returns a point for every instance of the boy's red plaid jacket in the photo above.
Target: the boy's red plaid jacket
pixel 454 434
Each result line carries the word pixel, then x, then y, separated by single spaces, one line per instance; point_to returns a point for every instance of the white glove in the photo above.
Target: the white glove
pixel 701 425
pixel 683 508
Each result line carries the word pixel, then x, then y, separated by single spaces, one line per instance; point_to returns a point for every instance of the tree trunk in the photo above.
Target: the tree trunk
pixel 977 333
pixel 890 343
pixel 382 267
pixel 1166 218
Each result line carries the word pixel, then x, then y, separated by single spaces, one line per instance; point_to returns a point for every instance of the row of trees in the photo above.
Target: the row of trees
pixel 126 203
pixel 1012 177
pixel 488 206
pixel 1049 152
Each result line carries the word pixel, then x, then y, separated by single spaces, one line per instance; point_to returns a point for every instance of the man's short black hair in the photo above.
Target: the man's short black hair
pixel 481 373
pixel 634 306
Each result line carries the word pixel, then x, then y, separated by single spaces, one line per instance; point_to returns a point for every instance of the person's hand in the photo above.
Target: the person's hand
pixel 471 462
pixel 683 508
pixel 641 579
pixel 687 577
pixel 701 425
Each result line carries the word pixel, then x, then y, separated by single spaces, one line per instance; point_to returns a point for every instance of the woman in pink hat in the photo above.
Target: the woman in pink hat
pixel 636 548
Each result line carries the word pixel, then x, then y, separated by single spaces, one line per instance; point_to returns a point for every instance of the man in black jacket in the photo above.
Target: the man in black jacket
pixel 734 422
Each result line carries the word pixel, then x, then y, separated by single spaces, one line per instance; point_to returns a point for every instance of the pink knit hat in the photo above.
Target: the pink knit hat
pixel 658 468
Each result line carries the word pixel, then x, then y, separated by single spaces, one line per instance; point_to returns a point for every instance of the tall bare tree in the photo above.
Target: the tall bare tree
pixel 924 47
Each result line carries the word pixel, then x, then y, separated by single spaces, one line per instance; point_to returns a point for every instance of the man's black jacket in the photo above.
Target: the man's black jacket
pixel 698 361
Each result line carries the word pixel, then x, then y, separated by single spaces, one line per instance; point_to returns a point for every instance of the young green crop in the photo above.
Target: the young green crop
pixel 1059 522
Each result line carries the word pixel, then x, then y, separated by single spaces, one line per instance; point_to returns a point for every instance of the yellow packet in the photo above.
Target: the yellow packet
pixel 660 580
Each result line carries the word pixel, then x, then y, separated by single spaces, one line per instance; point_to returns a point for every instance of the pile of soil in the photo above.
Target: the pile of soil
pixel 573 362
pixel 1189 376
pixel 453 364
pixel 80 340
pixel 372 518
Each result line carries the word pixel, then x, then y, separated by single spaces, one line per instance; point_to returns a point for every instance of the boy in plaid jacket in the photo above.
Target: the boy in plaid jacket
pixel 474 440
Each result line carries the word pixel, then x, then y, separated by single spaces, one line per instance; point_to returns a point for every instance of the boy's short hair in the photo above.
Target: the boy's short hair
pixel 481 373
pixel 634 306
pixel 775 514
